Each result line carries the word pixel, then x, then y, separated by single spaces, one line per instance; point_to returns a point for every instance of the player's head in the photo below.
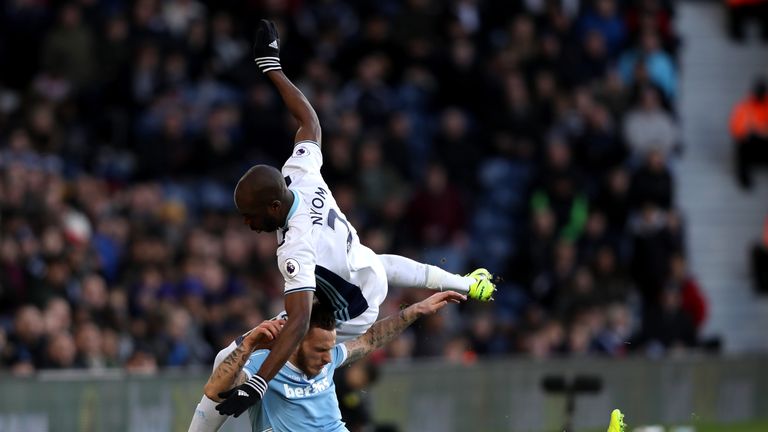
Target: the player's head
pixel 260 198
pixel 314 352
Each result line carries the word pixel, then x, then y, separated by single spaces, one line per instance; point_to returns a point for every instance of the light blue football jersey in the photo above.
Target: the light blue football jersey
pixel 294 402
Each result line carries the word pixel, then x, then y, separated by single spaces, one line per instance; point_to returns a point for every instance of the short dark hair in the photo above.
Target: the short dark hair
pixel 322 317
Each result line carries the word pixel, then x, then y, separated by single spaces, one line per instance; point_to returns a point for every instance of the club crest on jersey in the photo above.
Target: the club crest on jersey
pixel 300 152
pixel 291 267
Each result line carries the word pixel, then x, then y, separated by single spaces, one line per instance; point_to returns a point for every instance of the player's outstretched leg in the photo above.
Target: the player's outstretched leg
pixel 206 418
pixel 405 272
pixel 617 422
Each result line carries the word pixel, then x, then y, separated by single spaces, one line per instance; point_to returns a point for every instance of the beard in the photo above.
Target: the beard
pixel 303 364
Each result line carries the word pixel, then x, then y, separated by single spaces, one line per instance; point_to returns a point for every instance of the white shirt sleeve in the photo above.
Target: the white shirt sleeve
pixel 296 257
pixel 305 159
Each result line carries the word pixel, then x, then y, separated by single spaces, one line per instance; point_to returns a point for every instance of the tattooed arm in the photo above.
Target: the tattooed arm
pixel 229 373
pixel 390 327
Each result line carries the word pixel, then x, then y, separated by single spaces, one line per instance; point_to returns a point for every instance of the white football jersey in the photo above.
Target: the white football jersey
pixel 319 250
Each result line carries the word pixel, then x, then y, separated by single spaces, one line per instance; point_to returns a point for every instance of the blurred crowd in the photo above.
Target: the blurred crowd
pixel 741 13
pixel 749 131
pixel 537 138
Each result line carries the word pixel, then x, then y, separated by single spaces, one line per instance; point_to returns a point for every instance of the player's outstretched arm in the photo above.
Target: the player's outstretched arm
pixel 298 306
pixel 298 105
pixel 267 56
pixel 230 373
pixel 390 327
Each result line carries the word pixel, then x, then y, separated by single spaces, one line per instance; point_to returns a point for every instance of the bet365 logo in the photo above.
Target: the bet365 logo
pixel 300 392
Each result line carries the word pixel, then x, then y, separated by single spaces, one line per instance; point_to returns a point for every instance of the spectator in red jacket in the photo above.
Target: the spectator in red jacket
pixel 692 299
pixel 436 212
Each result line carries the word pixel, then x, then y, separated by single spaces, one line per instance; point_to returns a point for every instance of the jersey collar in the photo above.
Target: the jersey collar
pixel 294 206
pixel 295 368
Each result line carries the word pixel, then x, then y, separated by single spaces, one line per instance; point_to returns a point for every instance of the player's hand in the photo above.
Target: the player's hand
pixel 238 399
pixel 262 336
pixel 437 301
pixel 266 49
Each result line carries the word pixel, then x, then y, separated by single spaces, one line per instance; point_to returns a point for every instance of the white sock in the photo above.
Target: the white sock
pixel 405 272
pixel 206 418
